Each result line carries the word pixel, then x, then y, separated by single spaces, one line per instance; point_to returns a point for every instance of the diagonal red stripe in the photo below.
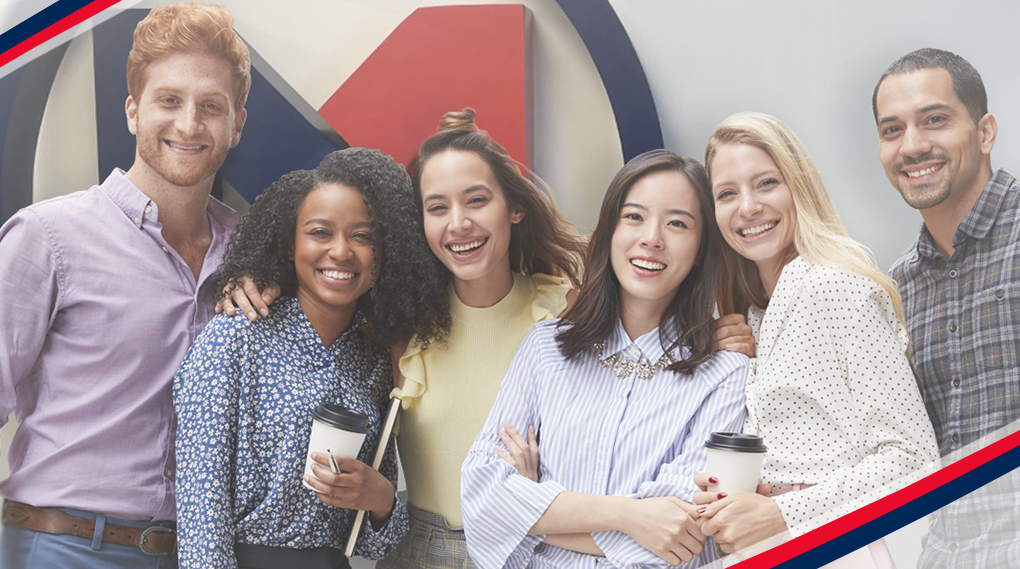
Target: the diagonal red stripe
pixel 857 518
pixel 55 29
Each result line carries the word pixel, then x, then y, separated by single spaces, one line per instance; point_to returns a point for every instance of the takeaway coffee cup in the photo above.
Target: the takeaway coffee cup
pixel 735 460
pixel 338 429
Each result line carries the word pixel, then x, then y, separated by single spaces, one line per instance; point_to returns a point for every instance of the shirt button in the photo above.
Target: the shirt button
pixel 952 547
pixel 170 473
pixel 148 209
pixel 138 219
pixel 956 438
pixel 953 273
pixel 952 327
pixel 956 382
pixel 165 250
pixel 999 293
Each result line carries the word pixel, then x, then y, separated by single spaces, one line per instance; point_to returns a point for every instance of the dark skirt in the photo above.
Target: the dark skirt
pixel 264 557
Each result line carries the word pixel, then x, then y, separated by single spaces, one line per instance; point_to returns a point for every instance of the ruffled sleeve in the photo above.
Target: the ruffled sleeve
pixel 548 300
pixel 412 366
pixel 550 297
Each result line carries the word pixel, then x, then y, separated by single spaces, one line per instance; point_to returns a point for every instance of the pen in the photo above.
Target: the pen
pixel 332 462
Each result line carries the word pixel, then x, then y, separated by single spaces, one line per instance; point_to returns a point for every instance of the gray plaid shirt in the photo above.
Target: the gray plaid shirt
pixel 963 315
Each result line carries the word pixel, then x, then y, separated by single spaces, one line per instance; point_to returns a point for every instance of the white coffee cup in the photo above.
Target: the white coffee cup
pixel 337 429
pixel 735 460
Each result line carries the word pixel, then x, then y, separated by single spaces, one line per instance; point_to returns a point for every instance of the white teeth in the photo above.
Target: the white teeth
pixel 647 265
pixel 338 275
pixel 920 173
pixel 756 230
pixel 182 147
pixel 467 247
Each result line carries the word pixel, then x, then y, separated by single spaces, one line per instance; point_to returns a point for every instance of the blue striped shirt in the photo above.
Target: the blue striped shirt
pixel 598 434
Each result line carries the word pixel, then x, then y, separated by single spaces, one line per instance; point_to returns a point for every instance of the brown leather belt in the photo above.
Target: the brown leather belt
pixel 153 540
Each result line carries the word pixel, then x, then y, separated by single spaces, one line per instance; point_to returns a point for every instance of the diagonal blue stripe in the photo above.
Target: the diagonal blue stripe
pixel 907 513
pixel 637 119
pixel 39 22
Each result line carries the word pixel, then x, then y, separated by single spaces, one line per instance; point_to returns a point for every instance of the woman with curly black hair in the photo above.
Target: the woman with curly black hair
pixel 345 244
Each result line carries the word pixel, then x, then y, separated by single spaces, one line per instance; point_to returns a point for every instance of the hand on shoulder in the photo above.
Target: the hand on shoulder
pixel 247 298
pixel 734 335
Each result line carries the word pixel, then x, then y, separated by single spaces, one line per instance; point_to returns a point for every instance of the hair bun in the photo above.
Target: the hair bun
pixel 459 120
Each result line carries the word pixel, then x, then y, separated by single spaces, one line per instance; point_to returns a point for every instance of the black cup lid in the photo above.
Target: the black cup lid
pixel 341 417
pixel 737 442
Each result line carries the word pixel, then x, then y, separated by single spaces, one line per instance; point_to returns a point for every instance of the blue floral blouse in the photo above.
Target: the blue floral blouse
pixel 244 399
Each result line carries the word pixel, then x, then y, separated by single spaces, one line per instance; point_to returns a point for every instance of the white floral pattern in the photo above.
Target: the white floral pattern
pixel 244 399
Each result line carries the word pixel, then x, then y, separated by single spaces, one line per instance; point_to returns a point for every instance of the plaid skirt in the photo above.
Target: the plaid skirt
pixel 430 543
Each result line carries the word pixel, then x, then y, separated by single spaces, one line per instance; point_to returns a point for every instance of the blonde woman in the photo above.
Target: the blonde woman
pixel 833 393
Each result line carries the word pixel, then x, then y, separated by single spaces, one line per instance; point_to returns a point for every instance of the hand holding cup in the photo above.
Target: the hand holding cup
pixel 338 428
pixel 357 486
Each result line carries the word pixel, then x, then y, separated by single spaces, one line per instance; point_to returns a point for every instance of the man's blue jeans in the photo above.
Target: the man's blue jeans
pixel 21 548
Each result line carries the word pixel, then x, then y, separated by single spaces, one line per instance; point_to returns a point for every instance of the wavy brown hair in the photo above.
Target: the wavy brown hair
pixel 594 316
pixel 544 241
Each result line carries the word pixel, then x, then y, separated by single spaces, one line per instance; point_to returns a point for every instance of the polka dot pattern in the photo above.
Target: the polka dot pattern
pixel 834 396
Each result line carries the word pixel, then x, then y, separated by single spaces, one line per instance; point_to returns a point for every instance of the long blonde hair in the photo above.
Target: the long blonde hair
pixel 819 236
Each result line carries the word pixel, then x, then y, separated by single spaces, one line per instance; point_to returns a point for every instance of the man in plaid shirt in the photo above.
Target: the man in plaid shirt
pixel 961 286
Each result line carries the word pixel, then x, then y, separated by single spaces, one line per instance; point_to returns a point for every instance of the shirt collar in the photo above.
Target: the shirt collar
pixel 292 306
pixel 140 209
pixel 647 346
pixel 979 219
pixel 126 196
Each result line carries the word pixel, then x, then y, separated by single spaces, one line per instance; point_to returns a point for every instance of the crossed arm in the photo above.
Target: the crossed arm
pixel 665 526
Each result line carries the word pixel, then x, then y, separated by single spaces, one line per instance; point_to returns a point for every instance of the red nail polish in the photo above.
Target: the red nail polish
pixel 721 495
pixel 713 480
pixel 702 510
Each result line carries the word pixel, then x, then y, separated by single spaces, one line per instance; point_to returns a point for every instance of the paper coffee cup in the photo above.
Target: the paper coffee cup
pixel 735 459
pixel 338 429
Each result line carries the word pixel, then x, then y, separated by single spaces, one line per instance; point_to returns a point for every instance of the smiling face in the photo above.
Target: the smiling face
pixel 753 206
pixel 332 253
pixel 467 219
pixel 932 150
pixel 656 241
pixel 184 120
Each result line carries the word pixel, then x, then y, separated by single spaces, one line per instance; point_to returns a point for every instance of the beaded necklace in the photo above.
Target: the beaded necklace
pixel 623 368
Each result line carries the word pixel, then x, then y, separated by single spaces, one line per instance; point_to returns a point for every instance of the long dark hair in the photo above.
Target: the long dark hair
pixel 594 316
pixel 544 241
pixel 408 289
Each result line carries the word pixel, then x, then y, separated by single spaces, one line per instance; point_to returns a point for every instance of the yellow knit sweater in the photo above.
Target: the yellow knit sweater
pixel 449 389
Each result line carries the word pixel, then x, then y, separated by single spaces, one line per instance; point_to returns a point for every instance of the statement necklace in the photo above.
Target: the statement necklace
pixel 623 368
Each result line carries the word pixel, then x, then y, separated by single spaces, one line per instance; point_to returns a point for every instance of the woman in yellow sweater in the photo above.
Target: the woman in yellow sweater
pixel 513 261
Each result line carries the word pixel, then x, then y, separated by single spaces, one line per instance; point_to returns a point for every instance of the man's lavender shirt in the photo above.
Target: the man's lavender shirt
pixel 96 314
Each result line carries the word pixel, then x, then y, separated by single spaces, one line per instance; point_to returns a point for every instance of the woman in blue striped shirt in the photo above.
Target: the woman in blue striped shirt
pixel 622 394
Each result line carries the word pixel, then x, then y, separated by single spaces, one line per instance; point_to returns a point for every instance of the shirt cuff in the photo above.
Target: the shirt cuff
pixel 623 552
pixel 374 544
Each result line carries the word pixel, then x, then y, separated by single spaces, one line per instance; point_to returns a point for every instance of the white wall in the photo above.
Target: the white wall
pixel 814 65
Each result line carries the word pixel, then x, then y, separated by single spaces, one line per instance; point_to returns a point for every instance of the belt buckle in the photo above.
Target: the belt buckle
pixel 144 538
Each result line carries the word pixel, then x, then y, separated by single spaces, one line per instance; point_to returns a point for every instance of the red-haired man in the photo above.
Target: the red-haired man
pixel 103 293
